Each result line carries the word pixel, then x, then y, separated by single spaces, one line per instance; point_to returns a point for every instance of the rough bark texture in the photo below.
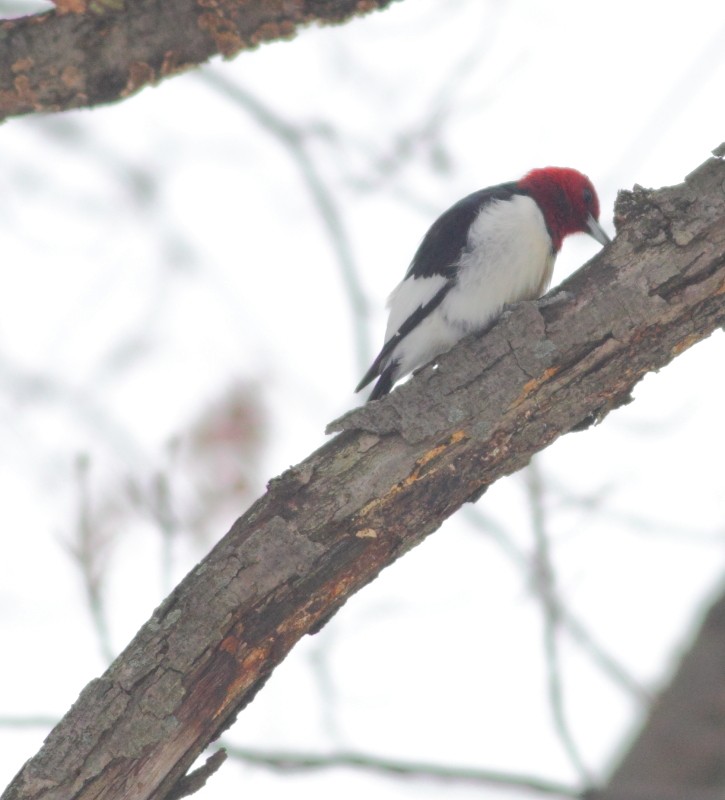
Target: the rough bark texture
pixel 680 752
pixel 402 465
pixel 87 52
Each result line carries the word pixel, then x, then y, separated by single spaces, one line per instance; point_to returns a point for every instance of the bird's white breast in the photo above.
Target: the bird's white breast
pixel 508 258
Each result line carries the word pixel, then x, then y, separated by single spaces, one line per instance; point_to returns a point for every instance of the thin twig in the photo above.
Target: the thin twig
pixel 442 102
pixel 545 582
pixel 191 783
pixel 89 552
pixel 167 524
pixel 289 761
pixel 578 631
pixel 293 139
pixel 324 678
pixel 639 525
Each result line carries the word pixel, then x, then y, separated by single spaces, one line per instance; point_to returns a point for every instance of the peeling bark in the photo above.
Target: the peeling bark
pixel 88 52
pixel 400 466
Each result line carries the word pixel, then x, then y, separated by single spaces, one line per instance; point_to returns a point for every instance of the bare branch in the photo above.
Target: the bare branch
pixel 574 627
pixel 89 549
pixel 197 779
pixel 99 51
pixel 326 527
pixel 290 762
pixel 545 582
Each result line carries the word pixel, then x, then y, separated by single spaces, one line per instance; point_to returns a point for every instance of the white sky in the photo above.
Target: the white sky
pixel 214 265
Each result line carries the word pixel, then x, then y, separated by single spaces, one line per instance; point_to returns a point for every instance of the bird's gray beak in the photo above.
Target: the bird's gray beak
pixel 595 229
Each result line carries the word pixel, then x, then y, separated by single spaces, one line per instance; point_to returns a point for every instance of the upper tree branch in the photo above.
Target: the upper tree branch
pixel 104 50
pixel 328 526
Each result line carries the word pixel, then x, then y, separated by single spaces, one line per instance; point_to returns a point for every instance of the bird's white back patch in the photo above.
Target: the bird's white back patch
pixel 408 296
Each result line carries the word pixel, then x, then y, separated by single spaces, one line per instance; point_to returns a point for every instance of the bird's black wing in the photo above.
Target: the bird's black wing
pixel 411 322
pixel 441 248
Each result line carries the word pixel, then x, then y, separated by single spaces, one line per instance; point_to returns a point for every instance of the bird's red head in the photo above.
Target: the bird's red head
pixel 567 200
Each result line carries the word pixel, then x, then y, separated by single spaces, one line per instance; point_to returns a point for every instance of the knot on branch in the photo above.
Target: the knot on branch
pixel 638 213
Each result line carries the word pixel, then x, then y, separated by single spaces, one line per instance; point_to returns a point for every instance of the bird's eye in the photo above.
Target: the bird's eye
pixel 587 196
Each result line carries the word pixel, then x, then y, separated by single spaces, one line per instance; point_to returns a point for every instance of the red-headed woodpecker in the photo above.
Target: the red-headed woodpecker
pixel 496 246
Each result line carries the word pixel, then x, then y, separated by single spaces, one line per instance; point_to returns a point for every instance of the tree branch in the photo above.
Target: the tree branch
pixel 88 52
pixel 328 526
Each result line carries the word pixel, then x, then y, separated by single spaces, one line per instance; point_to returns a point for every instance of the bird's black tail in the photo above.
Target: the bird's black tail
pixel 376 368
pixel 371 374
pixel 385 382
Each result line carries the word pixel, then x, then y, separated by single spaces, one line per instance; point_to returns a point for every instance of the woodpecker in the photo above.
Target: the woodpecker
pixel 494 247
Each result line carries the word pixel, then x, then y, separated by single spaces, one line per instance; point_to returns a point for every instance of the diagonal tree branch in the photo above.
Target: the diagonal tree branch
pixel 88 52
pixel 328 526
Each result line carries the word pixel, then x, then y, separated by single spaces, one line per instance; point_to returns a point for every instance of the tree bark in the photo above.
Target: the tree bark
pixel 88 52
pixel 400 466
